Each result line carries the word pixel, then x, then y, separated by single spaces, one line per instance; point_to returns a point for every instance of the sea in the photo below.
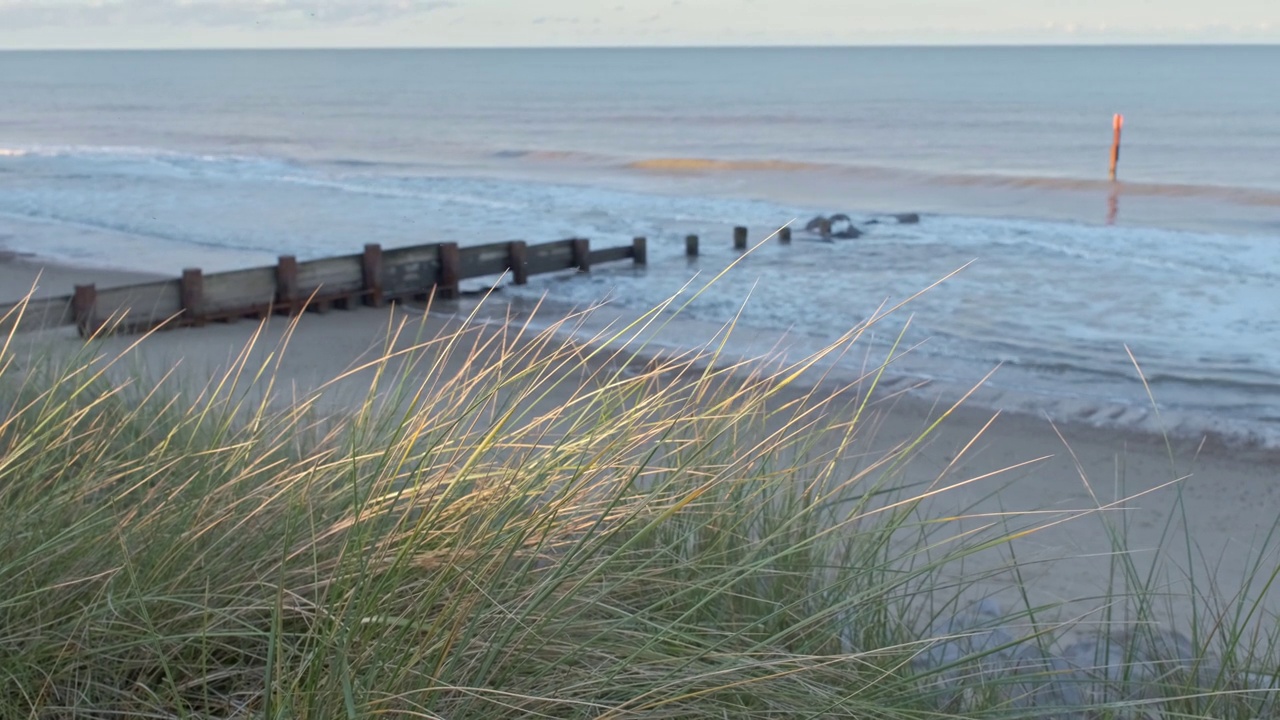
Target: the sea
pixel 1151 303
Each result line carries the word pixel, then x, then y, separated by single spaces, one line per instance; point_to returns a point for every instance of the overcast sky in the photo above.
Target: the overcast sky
pixel 452 23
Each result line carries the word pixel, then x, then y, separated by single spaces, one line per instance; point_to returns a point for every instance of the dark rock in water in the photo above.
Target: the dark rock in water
pixel 820 226
pixel 838 226
pixel 842 228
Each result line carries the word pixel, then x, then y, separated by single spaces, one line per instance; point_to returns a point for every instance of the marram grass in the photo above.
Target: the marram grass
pixel 501 524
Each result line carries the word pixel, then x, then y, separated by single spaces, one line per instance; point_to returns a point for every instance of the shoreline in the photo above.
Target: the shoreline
pixel 926 381
pixel 20 271
pixel 1073 366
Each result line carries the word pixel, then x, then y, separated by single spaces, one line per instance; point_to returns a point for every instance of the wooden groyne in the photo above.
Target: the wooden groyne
pixel 373 278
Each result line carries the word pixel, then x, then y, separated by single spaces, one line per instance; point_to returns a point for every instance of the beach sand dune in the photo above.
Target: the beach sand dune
pixel 1200 513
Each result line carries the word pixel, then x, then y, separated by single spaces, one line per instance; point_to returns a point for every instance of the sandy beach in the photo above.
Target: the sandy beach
pixel 1212 502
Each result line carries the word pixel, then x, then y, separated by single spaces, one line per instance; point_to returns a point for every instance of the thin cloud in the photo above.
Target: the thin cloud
pixel 207 13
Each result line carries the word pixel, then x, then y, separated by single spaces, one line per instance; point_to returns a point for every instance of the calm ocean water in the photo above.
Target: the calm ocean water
pixel 220 159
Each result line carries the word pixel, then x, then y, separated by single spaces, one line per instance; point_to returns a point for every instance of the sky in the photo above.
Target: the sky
pixel 38 24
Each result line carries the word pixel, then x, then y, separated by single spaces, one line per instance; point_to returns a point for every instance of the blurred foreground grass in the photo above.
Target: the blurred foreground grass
pixel 508 525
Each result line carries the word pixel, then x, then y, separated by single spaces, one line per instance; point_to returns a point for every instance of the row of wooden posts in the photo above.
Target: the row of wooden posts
pixel 739 239
pixel 373 277
pixel 289 299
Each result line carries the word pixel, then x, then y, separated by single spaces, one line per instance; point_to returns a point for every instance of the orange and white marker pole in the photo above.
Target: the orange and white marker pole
pixel 1118 124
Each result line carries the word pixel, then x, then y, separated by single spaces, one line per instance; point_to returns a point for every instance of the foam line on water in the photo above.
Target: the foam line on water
pixel 931 379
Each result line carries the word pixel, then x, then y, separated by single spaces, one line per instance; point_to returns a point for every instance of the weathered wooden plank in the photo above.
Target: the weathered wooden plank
pixel 239 290
pixel 331 276
pixel 612 254
pixel 481 260
pixel 140 305
pixel 37 315
pixel 409 270
pixel 550 257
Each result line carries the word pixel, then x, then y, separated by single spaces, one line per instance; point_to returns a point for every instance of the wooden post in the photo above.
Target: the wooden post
pixel 1117 124
pixel 82 307
pixel 784 235
pixel 287 284
pixel 691 245
pixel 518 261
pixel 582 254
pixel 193 296
pixel 739 238
pixel 450 271
pixel 371 270
pixel 640 250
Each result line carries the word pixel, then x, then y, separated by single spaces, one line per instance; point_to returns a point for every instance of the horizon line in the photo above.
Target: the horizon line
pixel 727 46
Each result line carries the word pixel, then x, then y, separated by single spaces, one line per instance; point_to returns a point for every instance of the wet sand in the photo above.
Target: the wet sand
pixel 21 274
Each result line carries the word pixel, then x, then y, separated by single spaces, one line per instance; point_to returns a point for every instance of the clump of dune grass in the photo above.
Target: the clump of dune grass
pixel 504 524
